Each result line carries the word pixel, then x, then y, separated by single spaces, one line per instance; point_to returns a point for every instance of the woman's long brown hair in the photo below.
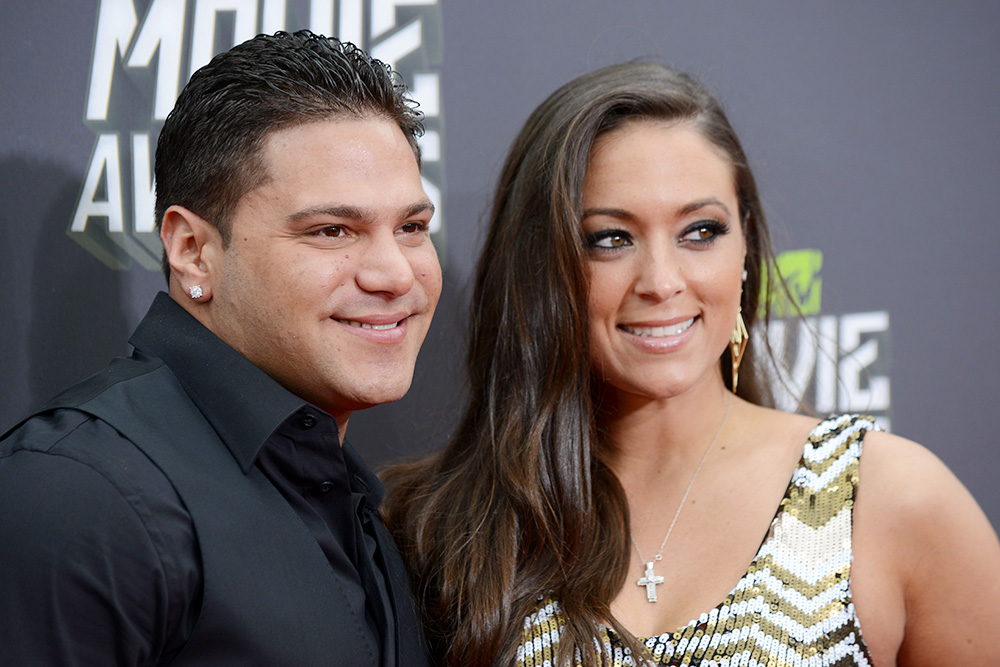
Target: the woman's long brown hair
pixel 520 502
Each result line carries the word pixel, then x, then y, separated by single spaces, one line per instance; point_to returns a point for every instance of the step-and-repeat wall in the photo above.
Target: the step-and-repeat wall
pixel 872 127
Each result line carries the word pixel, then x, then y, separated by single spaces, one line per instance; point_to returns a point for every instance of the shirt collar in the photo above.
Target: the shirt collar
pixel 363 479
pixel 242 403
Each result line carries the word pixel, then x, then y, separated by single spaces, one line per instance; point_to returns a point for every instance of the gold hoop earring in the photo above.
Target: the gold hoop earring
pixel 738 345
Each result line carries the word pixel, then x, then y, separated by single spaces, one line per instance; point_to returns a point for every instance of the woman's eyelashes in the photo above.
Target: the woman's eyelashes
pixel 704 232
pixel 609 239
pixel 699 234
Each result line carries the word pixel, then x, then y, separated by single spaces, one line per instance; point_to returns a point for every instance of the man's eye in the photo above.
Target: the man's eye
pixel 413 228
pixel 330 232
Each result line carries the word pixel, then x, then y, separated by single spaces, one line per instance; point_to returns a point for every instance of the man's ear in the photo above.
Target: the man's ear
pixel 194 251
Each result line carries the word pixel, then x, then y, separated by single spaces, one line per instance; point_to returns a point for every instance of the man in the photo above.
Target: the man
pixel 195 503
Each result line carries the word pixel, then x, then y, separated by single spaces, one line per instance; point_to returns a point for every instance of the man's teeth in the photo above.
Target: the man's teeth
pixel 660 332
pixel 363 325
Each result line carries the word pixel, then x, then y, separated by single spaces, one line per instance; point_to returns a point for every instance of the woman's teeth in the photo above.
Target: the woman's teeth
pixel 659 332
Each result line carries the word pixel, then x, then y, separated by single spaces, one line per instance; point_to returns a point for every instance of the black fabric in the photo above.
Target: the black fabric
pixel 181 507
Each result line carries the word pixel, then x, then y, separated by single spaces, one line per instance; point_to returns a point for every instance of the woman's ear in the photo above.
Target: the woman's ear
pixel 194 250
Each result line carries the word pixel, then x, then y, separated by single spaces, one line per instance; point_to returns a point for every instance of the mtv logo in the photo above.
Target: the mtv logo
pixel 799 269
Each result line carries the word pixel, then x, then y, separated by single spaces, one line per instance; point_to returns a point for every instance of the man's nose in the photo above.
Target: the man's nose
pixel 385 267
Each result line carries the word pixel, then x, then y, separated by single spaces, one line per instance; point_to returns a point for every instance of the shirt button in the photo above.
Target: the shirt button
pixel 324 487
pixel 307 421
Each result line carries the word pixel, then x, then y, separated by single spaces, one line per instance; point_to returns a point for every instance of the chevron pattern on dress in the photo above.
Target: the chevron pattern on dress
pixel 792 608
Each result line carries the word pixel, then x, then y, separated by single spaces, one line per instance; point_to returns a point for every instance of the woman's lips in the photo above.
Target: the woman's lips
pixel 658 331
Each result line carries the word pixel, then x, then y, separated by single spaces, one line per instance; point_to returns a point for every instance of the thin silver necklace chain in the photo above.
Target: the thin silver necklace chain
pixel 659 554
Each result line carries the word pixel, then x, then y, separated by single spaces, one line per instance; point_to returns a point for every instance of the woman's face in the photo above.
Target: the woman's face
pixel 666 254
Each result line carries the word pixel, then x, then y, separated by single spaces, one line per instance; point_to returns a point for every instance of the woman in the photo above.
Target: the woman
pixel 617 467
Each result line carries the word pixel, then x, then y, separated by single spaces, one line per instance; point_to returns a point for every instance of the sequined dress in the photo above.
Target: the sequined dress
pixel 793 607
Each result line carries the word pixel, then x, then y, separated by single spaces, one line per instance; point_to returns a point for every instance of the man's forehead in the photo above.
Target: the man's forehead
pixel 344 144
pixel 337 128
pixel 343 167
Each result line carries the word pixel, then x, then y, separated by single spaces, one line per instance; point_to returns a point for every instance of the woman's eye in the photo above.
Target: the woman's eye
pixel 704 232
pixel 611 239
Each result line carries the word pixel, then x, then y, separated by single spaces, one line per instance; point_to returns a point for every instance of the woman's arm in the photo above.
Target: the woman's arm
pixel 927 561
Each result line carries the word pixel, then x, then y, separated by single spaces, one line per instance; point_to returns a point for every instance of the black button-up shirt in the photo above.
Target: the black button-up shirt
pixel 99 558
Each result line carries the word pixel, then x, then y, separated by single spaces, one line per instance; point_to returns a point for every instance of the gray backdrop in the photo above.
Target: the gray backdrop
pixel 872 127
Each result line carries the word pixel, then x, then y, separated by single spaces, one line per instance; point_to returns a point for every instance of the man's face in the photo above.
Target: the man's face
pixel 330 278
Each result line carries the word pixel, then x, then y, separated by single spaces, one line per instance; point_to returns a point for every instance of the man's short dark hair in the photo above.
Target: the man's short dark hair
pixel 209 151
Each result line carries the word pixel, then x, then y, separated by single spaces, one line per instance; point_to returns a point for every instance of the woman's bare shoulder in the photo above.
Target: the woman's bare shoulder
pixel 918 526
pixel 909 483
pixel 769 424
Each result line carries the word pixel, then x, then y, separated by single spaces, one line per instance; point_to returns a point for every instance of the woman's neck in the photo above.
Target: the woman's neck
pixel 646 435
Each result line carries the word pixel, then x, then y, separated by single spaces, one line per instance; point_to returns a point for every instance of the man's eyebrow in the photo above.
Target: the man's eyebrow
pixel 357 213
pixel 349 212
pixel 418 208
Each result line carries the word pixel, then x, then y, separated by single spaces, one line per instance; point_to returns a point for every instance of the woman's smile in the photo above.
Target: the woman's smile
pixel 657 331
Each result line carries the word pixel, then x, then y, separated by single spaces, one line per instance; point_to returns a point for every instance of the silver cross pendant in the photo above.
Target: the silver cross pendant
pixel 650 581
